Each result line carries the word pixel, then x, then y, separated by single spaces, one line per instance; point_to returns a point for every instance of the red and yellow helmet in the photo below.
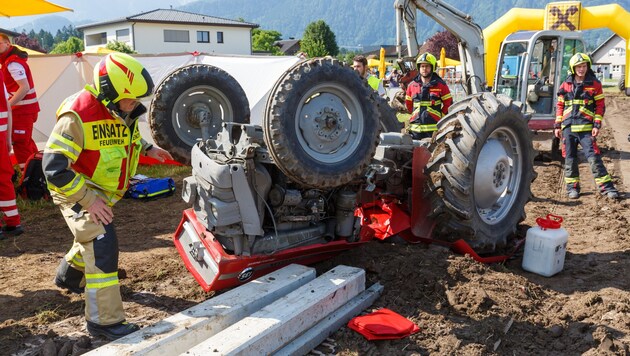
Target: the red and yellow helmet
pixel 427 58
pixel 579 58
pixel 120 76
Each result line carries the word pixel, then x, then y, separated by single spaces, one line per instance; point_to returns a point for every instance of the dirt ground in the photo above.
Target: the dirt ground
pixel 461 306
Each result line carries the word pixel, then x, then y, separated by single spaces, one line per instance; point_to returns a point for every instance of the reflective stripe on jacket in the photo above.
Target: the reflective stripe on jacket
pixel 580 105
pixel 29 103
pixel 4 108
pixel 427 103
pixel 110 151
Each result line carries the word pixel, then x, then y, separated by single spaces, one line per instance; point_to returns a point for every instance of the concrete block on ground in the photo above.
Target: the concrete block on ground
pixel 331 323
pixel 181 331
pixel 275 325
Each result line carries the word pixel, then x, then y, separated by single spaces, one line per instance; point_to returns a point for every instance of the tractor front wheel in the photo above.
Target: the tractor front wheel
pixel 480 171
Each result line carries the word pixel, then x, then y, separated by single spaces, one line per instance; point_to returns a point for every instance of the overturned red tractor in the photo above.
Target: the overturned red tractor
pixel 321 174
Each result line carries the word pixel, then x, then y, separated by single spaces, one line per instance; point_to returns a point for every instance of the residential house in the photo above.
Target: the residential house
pixel 288 47
pixel 11 34
pixel 391 54
pixel 610 57
pixel 172 31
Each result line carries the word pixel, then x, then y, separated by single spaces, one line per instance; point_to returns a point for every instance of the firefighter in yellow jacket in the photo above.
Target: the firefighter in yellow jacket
pixel 88 160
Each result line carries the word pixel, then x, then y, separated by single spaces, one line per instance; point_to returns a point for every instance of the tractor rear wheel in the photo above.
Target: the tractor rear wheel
pixel 187 94
pixel 480 171
pixel 621 84
pixel 321 124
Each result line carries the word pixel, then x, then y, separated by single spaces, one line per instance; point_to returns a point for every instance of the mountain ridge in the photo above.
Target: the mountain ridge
pixel 355 27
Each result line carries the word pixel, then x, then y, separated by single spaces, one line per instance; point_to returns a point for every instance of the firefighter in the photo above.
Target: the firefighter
pixel 7 191
pixel 428 98
pixel 91 154
pixel 22 98
pixel 579 115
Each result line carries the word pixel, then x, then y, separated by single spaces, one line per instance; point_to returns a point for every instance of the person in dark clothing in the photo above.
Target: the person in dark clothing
pixel 427 98
pixel 579 115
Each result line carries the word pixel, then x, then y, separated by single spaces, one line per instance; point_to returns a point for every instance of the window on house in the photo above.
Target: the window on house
pixel 122 35
pixel 176 36
pixel 203 36
pixel 219 36
pixel 96 39
pixel 616 68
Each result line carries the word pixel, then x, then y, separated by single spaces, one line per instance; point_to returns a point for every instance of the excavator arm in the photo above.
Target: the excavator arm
pixel 468 34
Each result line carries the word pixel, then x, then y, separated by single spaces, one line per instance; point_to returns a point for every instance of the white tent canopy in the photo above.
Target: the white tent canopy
pixel 59 76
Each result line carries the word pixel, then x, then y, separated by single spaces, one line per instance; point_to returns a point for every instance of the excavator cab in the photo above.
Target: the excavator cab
pixel 531 67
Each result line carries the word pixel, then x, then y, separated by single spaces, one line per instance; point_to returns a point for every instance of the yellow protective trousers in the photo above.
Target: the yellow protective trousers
pixel 94 254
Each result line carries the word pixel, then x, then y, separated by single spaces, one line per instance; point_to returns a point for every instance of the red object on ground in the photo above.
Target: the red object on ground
pixel 383 324
pixel 462 247
pixel 149 161
pixel 381 219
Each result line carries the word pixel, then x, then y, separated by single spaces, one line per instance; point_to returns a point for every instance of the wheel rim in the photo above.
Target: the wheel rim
pixel 329 123
pixel 498 175
pixel 196 101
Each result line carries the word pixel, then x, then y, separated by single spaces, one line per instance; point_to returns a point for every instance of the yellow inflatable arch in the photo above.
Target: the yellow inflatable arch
pixel 613 17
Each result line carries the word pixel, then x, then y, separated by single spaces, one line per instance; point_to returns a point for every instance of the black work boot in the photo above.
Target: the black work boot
pixel 112 332
pixel 69 278
pixel 12 230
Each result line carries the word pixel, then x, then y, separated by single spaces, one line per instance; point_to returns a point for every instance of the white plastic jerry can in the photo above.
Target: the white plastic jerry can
pixel 545 246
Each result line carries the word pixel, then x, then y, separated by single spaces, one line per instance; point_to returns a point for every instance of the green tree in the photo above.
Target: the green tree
pixel 46 39
pixel 263 40
pixel 66 32
pixel 319 40
pixel 119 47
pixel 346 56
pixel 72 45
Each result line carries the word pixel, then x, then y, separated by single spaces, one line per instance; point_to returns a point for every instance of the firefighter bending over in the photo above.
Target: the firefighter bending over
pixel 428 98
pixel 91 154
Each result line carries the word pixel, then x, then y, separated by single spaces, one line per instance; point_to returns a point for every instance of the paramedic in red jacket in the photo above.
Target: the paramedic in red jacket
pixel 7 191
pixel 579 115
pixel 428 98
pixel 22 98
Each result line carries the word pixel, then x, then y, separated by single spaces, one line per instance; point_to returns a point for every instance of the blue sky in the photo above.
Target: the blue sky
pixel 97 10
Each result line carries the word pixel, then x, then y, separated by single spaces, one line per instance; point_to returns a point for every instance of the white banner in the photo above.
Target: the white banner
pixel 59 76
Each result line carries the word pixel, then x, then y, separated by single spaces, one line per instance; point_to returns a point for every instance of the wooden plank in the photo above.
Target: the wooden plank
pixel 304 343
pixel 181 331
pixel 278 323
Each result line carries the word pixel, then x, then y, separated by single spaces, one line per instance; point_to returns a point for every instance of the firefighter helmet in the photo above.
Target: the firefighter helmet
pixel 427 58
pixel 120 76
pixel 579 58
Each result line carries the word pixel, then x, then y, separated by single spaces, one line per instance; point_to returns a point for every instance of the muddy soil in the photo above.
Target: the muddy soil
pixel 461 306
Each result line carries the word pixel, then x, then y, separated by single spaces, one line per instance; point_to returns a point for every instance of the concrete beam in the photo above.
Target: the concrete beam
pixel 306 342
pixel 181 331
pixel 275 325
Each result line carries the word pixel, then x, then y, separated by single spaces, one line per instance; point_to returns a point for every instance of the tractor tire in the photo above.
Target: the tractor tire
pixel 480 171
pixel 387 116
pixel 321 124
pixel 621 84
pixel 186 92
